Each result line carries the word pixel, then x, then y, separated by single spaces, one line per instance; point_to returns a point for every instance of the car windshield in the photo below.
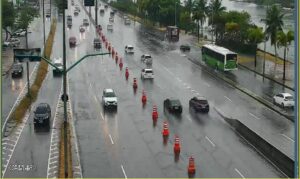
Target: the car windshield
pixel 149 71
pixel 130 48
pixel 289 98
pixel 40 110
pixel 202 101
pixel 110 94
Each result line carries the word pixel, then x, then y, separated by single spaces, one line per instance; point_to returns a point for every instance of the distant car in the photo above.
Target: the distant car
pixel 17 70
pixel 12 42
pixel 146 58
pixel 76 12
pixel 173 106
pixel 19 33
pixel 42 116
pixel 97 43
pixel 72 41
pixel 111 19
pixel 284 100
pixel 110 27
pixel 48 14
pixel 102 11
pixel 129 49
pixel 59 64
pixel 185 47
pixel 105 6
pixel 147 73
pixel 127 21
pixel 99 27
pixel 69 21
pixel 72 3
pixel 199 104
pixel 112 13
pixel 81 29
pixel 109 99
pixel 86 22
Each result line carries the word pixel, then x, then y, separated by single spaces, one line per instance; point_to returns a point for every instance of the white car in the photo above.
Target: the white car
pixel 59 64
pixel 147 73
pixel 20 33
pixel 129 49
pixel 12 42
pixel 146 58
pixel 111 19
pixel 127 21
pixel 81 29
pixel 110 27
pixel 284 100
pixel 109 99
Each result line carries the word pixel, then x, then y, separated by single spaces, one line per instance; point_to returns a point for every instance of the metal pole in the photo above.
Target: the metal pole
pixel 44 23
pixel 96 12
pixel 50 11
pixel 65 94
pixel 90 11
pixel 175 13
pixel 28 84
pixel 264 63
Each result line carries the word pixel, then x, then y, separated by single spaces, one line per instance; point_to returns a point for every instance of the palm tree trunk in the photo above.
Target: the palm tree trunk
pixel 255 57
pixel 284 57
pixel 198 29
pixel 275 66
pixel 26 38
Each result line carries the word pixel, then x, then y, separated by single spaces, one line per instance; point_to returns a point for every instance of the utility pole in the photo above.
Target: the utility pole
pixel 44 22
pixel 96 12
pixel 175 13
pixel 65 95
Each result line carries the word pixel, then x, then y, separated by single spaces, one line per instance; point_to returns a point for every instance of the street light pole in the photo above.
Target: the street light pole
pixel 44 22
pixel 175 13
pixel 65 94
pixel 96 12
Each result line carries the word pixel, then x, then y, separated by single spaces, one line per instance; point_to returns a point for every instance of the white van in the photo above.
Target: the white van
pixel 110 27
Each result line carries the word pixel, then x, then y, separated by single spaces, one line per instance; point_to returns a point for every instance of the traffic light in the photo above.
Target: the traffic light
pixel 89 2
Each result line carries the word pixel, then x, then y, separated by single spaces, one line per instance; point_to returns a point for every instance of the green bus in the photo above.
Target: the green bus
pixel 219 58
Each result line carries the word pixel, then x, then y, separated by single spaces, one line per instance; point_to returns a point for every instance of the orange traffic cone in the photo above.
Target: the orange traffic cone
pixel 113 51
pixel 144 98
pixel 154 113
pixel 165 131
pixel 117 58
pixel 134 83
pixel 109 47
pixel 106 44
pixel 176 145
pixel 191 167
pixel 121 64
pixel 126 73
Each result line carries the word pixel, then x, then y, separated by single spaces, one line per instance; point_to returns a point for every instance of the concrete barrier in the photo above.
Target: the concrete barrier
pixel 277 158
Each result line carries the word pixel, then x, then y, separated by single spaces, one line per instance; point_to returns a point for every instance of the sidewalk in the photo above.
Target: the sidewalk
pixel 7 60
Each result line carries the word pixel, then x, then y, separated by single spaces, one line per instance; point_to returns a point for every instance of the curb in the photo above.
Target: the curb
pixel 244 90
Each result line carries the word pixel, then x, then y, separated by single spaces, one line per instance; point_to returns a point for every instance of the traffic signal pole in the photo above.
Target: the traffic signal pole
pixel 96 12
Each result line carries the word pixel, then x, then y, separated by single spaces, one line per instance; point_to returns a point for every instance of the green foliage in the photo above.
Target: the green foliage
pixel 284 39
pixel 255 35
pixel 8 14
pixel 26 16
pixel 274 23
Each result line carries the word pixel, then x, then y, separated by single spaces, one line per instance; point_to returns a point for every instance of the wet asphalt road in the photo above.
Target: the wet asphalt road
pixel 12 87
pixel 33 147
pixel 125 143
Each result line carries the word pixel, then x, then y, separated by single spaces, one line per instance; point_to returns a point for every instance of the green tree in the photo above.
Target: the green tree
pixel 25 17
pixel 256 36
pixel 274 24
pixel 199 14
pixel 8 17
pixel 215 15
pixel 284 40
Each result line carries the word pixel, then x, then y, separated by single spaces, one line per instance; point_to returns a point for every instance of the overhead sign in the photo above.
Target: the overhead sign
pixel 33 54
pixel 89 2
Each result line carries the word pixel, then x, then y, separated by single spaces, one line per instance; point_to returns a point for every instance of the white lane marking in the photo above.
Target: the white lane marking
pixel 95 99
pixel 18 98
pixel 193 91
pixel 18 137
pixel 168 70
pixel 197 94
pixel 287 137
pixel 210 141
pixel 188 117
pixel 179 79
pixel 102 116
pixel 111 140
pixel 253 115
pixel 91 85
pixel 207 84
pixel 123 171
pixel 228 98
pixel 239 172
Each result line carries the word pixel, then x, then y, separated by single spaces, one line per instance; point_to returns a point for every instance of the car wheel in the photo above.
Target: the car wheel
pixel 282 105
pixel 274 102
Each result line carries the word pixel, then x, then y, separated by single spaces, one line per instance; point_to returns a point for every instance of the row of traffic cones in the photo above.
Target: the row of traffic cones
pixel 191 169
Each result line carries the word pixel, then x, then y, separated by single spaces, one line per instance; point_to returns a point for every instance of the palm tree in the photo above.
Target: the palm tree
pixel 256 36
pixel 215 9
pixel 199 14
pixel 274 24
pixel 284 40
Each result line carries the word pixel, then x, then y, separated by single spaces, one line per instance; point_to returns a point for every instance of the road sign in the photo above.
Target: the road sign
pixel 89 2
pixel 33 54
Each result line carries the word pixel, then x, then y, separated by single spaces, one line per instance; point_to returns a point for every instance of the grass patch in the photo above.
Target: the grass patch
pixel 61 172
pixel 25 103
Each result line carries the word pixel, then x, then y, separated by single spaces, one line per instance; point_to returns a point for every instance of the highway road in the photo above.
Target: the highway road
pixel 124 143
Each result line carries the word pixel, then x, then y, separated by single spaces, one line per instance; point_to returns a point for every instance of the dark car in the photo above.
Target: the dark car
pixel 17 70
pixel 112 13
pixel 102 11
pixel 199 104
pixel 97 43
pixel 173 105
pixel 105 6
pixel 185 47
pixel 72 41
pixel 42 116
pixel 98 27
